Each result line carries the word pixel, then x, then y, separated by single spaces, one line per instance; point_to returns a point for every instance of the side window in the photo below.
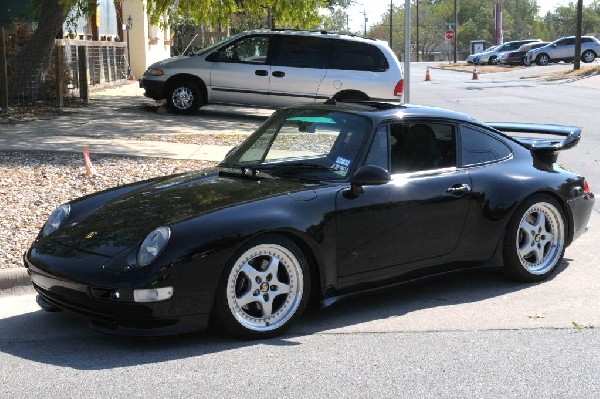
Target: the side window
pixel 379 151
pixel 299 52
pixel 356 56
pixel 252 50
pixel 422 146
pixel 479 147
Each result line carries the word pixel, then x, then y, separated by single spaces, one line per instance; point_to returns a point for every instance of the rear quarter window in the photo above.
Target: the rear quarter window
pixel 356 56
pixel 479 147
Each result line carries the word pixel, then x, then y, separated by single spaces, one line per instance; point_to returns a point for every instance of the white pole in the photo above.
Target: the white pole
pixel 407 51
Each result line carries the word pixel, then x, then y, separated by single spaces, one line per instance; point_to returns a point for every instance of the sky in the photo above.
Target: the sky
pixel 374 9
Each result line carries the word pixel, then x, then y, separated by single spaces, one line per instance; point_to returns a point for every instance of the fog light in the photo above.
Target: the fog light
pixel 152 294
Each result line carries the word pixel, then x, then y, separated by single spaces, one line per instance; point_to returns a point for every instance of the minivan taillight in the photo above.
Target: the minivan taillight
pixel 586 187
pixel 399 89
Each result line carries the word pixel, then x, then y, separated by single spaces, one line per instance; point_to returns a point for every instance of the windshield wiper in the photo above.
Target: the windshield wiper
pixel 295 165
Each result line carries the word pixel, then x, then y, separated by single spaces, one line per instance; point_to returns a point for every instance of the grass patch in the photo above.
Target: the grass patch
pixel 584 72
pixel 464 67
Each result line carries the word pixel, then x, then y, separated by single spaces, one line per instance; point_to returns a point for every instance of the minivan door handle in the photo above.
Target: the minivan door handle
pixel 261 72
pixel 278 74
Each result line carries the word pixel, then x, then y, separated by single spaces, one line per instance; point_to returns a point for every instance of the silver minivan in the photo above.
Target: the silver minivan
pixel 277 68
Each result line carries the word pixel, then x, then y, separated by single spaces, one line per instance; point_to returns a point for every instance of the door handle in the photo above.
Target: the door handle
pixel 459 189
pixel 261 72
pixel 278 74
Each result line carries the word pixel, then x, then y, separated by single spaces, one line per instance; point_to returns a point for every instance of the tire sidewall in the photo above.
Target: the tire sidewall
pixel 223 317
pixel 513 267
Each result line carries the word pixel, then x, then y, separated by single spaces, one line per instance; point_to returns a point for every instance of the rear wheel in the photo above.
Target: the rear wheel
pixel 588 56
pixel 492 60
pixel 534 241
pixel 542 59
pixel 183 97
pixel 264 290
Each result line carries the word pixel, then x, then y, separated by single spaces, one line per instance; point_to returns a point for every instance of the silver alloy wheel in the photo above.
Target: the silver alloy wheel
pixel 540 239
pixel 526 61
pixel 182 98
pixel 588 56
pixel 265 287
pixel 543 59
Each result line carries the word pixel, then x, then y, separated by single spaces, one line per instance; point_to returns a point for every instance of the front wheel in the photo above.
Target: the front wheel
pixel 264 290
pixel 588 56
pixel 492 60
pixel 183 97
pixel 534 242
pixel 542 59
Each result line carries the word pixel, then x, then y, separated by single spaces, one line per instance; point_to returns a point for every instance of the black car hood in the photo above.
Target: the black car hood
pixel 124 222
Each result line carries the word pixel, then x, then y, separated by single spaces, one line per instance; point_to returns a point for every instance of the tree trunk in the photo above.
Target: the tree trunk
pixel 33 59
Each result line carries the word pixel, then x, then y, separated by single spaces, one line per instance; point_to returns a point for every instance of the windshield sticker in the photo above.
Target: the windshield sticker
pixel 341 166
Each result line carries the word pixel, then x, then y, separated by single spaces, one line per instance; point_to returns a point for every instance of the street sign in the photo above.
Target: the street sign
pixel 449 34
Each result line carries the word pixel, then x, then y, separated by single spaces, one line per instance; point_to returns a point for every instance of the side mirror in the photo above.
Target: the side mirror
pixel 367 175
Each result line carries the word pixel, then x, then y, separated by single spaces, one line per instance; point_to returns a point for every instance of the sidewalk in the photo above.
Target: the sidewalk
pixel 122 112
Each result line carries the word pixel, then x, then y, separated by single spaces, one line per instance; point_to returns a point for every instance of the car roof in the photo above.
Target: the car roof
pixel 319 33
pixel 380 111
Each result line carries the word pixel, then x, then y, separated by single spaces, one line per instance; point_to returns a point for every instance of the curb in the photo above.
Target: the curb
pixel 14 278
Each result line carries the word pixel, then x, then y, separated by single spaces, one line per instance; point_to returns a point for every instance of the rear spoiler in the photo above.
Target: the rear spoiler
pixel 571 135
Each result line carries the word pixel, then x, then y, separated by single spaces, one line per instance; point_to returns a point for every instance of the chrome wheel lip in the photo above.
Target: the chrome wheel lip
pixel 287 309
pixel 182 98
pixel 546 238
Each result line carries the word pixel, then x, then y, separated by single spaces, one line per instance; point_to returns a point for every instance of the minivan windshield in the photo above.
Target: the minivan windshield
pixel 214 46
pixel 304 142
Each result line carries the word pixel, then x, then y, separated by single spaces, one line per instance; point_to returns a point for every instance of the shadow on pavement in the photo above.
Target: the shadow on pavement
pixel 64 340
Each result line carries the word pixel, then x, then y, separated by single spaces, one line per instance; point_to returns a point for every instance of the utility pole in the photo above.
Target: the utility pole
pixel 455 30
pixel 366 20
pixel 391 14
pixel 407 51
pixel 417 18
pixel 577 59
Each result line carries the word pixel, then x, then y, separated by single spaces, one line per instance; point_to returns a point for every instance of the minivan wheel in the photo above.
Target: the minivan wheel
pixel 542 59
pixel 588 56
pixel 183 97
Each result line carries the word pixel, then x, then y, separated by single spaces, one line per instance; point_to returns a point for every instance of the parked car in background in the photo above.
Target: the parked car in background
pixel 492 56
pixel 517 57
pixel 471 58
pixel 276 68
pixel 563 49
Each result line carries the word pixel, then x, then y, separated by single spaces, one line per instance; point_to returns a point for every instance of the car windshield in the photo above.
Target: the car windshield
pixel 320 144
pixel 214 46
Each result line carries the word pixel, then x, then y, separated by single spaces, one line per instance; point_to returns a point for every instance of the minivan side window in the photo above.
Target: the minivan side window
pixel 299 52
pixel 479 147
pixel 356 56
pixel 252 50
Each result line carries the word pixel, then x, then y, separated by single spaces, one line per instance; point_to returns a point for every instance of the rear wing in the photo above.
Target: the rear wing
pixel 565 136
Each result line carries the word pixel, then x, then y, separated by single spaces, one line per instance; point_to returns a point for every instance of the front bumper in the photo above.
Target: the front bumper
pixel 106 298
pixel 154 89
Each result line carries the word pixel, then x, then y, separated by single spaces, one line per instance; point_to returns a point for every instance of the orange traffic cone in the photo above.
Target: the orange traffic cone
pixel 427 75
pixel 475 77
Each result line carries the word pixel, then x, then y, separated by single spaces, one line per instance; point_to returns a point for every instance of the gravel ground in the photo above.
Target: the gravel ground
pixel 32 184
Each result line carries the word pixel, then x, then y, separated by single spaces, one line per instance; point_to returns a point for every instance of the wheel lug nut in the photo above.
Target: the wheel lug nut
pixel 255 293
pixel 266 297
pixel 258 280
pixel 273 288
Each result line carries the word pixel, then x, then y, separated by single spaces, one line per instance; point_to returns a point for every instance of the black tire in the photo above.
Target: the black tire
pixel 588 56
pixel 263 290
pixel 350 96
pixel 492 60
pixel 534 241
pixel 183 97
pixel 542 59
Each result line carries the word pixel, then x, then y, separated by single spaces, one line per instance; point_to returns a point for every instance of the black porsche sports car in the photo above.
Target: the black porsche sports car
pixel 320 201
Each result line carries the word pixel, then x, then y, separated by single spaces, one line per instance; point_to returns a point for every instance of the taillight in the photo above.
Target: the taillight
pixel 399 89
pixel 586 187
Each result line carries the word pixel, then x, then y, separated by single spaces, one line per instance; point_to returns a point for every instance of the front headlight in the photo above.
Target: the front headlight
pixel 153 245
pixel 154 72
pixel 57 217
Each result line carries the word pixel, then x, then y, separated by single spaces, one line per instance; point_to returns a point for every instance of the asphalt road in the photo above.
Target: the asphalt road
pixel 467 335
